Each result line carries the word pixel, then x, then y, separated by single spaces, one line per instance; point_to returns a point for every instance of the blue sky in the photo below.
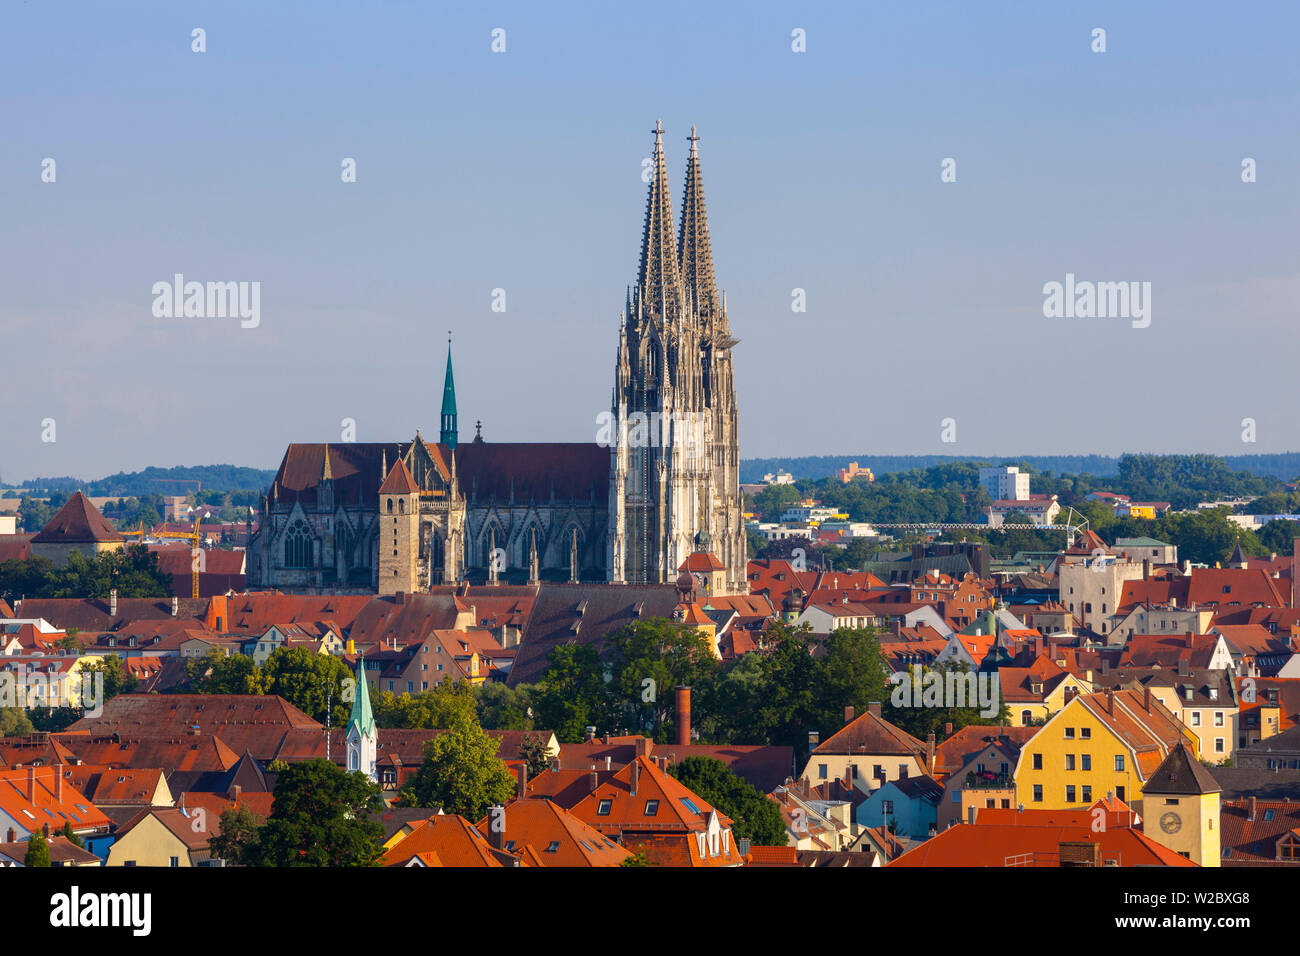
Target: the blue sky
pixel 522 171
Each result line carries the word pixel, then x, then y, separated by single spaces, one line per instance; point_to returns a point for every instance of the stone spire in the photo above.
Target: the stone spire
pixel 532 557
pixel 449 431
pixel 573 558
pixel 492 556
pixel 658 277
pixel 696 254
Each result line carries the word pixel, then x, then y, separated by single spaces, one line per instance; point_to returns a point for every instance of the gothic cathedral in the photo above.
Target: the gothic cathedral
pixel 407 516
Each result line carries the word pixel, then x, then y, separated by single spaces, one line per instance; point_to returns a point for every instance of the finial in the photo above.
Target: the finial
pixel 659 128
pixel 693 138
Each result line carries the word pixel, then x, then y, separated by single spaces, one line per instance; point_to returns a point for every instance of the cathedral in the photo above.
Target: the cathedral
pixel 661 482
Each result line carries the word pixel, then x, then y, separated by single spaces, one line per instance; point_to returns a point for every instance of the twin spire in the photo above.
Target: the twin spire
pixel 677 271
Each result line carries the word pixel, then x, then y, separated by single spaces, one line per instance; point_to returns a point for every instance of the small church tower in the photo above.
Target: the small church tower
pixel 399 531
pixel 362 737
pixel 449 432
pixel 1180 805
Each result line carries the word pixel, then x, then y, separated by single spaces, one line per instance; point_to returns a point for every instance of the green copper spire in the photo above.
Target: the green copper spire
pixel 449 433
pixel 362 717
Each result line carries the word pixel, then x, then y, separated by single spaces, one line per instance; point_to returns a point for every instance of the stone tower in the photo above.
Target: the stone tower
pixel 399 531
pixel 674 469
pixel 1180 807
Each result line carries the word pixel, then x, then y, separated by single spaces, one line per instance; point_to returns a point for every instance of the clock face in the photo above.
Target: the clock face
pixel 1171 822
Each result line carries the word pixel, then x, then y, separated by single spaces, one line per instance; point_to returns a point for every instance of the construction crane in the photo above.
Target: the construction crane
pixel 193 536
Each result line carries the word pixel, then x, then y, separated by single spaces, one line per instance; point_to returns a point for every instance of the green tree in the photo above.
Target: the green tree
pixel 71 836
pixel 504 708
pixel 648 661
pixel 429 709
pixel 321 816
pixel 311 682
pixel 240 837
pixel 570 695
pixel 850 674
pixel 536 756
pixel 38 851
pixel 117 679
pixel 461 773
pixel 219 673
pixel 754 817
pixel 14 722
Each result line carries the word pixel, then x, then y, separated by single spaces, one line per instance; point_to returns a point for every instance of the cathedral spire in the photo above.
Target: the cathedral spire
pixel 693 241
pixel 658 277
pixel 449 431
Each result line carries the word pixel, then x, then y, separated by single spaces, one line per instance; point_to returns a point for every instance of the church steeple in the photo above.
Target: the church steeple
pixel 693 242
pixel 449 432
pixel 657 279
pixel 362 737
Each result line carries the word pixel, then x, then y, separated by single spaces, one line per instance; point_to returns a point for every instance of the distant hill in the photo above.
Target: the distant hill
pixel 1285 466
pixel 160 481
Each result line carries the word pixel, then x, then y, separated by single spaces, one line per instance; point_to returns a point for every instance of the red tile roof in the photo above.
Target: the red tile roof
pixel 78 522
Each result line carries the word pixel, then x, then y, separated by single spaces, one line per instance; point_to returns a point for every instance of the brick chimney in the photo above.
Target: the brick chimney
pixel 1146 697
pixel 497 827
pixel 848 714
pixel 947 731
pixel 58 784
pixel 643 746
pixel 1190 639
pixel 1110 702
pixel 874 708
pixel 31 784
pixel 929 752
pixel 1250 810
pixel 593 780
pixel 523 781
pixel 636 776
pixel 683 716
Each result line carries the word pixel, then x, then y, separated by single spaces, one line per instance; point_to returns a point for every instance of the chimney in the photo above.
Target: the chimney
pixel 523 781
pixel 1183 669
pixel 1105 666
pixel 848 714
pixel 609 762
pixel 112 603
pixel 31 784
pixel 947 731
pixel 1146 569
pixel 593 780
pixel 874 708
pixel 591 734
pixel 929 752
pixel 636 776
pixel 643 746
pixel 1146 697
pixel 176 605
pixel 497 827
pixel 1250 810
pixel 970 814
pixel 234 792
pixel 1190 639
pixel 683 716
pixel 1110 702
pixel 814 738
pixel 58 784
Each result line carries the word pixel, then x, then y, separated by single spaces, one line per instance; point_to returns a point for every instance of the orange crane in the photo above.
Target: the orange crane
pixel 194 536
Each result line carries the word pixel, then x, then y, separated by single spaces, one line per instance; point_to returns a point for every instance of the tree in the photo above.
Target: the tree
pixel 321 816
pixel 754 817
pixel 850 674
pixel 311 682
pixel 504 708
pixel 38 850
pixel 14 722
pixel 117 679
pixel 219 673
pixel 636 859
pixel 461 773
pixel 71 836
pixel 536 756
pixel 571 695
pixel 240 837
pixel 649 660
pixel 437 708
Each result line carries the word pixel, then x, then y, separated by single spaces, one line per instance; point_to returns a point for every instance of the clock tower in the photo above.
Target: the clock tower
pixel 1180 807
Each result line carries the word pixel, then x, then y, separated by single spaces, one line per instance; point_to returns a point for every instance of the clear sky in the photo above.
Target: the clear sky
pixel 522 171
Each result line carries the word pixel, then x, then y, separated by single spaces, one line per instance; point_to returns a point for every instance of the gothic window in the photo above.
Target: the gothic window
pixel 390 505
pixel 401 506
pixel 297 546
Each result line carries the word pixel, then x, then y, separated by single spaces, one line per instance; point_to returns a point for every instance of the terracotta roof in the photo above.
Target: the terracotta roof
pixel 77 522
pixel 399 481
pixel 27 795
pixel 557 837
pixel 1181 773
pixel 181 825
pixel 1250 830
pixel 872 734
pixel 63 852
pixel 455 841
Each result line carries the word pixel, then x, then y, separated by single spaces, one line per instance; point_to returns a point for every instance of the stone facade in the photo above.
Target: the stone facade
pixel 661 482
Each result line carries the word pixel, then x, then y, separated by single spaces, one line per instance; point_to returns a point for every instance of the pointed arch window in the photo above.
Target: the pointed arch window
pixel 297 546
